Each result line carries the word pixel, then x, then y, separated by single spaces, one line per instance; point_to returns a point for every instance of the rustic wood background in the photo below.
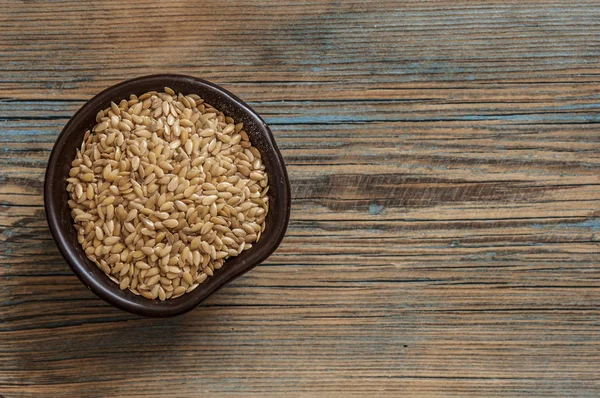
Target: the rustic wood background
pixel 445 231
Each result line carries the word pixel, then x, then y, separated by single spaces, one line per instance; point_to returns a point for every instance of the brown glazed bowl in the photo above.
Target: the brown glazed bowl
pixel 58 212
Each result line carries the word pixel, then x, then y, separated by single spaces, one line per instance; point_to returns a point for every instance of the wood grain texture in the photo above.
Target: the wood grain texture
pixel 445 230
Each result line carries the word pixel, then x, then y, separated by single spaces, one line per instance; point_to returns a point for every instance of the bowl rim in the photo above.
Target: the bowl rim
pixel 82 270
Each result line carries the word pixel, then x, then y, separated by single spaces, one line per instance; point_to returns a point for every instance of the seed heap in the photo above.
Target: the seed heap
pixel 163 190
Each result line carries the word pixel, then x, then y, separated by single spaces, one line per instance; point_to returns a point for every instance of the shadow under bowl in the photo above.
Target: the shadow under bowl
pixel 60 221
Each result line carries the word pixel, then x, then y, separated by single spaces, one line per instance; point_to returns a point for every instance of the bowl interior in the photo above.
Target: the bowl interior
pixel 59 213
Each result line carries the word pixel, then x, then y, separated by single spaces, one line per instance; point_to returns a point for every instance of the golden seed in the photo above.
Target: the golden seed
pixel 124 284
pixel 170 223
pixel 153 280
pixel 111 240
pixel 173 184
pixel 195 243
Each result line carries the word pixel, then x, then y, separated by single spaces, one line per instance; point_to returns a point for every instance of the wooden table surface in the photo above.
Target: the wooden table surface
pixel 444 160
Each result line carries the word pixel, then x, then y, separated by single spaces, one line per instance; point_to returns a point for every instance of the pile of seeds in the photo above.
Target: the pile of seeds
pixel 163 190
